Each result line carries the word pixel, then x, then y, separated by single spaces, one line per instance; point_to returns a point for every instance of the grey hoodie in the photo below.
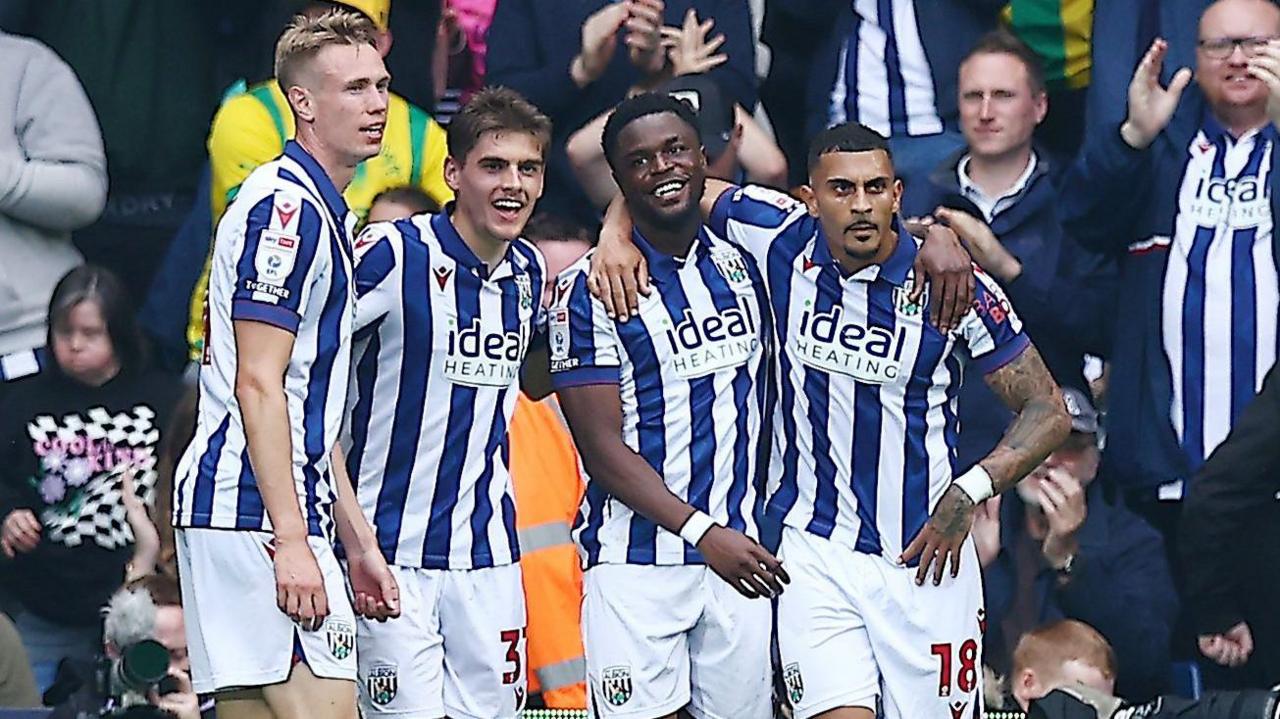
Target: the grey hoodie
pixel 53 179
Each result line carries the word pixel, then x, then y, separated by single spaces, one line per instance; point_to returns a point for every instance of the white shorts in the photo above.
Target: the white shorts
pixel 854 627
pixel 236 635
pixel 659 638
pixel 457 649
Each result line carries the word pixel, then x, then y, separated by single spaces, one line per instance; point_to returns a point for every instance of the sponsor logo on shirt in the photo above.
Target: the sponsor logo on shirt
pixel 867 353
pixel 478 358
pixel 705 343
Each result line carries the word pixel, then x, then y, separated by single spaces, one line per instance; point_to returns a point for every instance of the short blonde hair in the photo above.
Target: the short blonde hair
pixel 1047 648
pixel 305 36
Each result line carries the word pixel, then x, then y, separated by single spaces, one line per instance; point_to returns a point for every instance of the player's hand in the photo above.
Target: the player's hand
pixel 619 275
pixel 986 531
pixel 20 532
pixel 942 537
pixel 300 589
pixel 644 35
pixel 1265 65
pixel 377 596
pixel 982 243
pixel 688 48
pixel 946 266
pixel 599 42
pixel 1150 105
pixel 743 563
pixel 183 703
pixel 1231 649
pixel 1062 499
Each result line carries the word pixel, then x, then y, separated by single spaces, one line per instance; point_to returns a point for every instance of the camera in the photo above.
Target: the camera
pixel 1078 702
pixel 128 679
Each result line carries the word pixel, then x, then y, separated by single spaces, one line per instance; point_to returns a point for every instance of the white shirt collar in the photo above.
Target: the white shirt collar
pixel 992 206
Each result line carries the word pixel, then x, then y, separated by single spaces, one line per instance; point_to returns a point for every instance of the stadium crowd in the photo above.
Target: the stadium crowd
pixel 1108 164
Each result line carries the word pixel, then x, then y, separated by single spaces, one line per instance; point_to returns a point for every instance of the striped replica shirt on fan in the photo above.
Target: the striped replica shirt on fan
pixel 865 430
pixel 1220 295
pixel 883 77
pixel 691 374
pixel 439 342
pixel 281 256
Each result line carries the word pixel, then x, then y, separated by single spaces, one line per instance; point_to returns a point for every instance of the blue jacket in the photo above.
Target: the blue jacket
pixel 1113 199
pixel 1064 295
pixel 948 30
pixel 1120 586
pixel 533 42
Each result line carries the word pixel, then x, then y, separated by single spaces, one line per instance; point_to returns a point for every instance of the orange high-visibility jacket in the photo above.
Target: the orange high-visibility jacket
pixel 546 476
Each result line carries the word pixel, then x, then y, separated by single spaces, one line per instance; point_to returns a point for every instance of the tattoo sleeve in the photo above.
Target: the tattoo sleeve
pixel 1042 424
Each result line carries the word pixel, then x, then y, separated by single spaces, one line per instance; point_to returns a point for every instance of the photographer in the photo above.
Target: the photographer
pixel 149 608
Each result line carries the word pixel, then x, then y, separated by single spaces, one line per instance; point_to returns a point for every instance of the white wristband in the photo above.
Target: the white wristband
pixel 976 483
pixel 696 526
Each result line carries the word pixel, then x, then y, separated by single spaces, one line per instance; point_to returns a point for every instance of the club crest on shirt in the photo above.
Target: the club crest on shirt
pixel 382 683
pixel 794 682
pixel 902 299
pixel 341 637
pixel 615 684
pixel 732 266
pixel 525 287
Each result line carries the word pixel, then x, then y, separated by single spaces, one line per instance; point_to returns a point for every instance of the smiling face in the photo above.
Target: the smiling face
pixel 343 96
pixel 999 110
pixel 1226 82
pixel 660 169
pixel 855 197
pixel 496 184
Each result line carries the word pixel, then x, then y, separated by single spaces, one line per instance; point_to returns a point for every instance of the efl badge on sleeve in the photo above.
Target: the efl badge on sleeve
pixel 276 255
pixel 615 683
pixel 794 682
pixel 559 334
pixel 382 684
pixel 342 638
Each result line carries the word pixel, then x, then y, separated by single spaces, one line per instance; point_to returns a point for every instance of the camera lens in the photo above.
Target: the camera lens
pixel 143 664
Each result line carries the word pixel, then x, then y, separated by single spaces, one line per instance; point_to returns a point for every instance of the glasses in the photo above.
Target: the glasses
pixel 1224 47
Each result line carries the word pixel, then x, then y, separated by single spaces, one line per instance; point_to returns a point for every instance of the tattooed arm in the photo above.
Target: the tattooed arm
pixel 1042 424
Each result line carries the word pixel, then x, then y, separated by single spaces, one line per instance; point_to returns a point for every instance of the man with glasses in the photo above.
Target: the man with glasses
pixel 1181 192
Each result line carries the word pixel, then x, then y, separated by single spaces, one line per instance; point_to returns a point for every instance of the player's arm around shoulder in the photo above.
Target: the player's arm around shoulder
pixel 379 268
pixel 535 370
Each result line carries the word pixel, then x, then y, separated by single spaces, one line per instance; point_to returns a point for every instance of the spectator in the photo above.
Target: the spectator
pixel 17 686
pixel 1176 193
pixel 893 74
pixel 1232 592
pixel 1000 195
pixel 53 179
pixel 73 443
pixel 1058 549
pixel 1059 33
pixel 150 70
pixel 564 58
pixel 733 141
pixel 458 68
pixel 398 203
pixel 795 31
pixel 1061 653
pixel 251 129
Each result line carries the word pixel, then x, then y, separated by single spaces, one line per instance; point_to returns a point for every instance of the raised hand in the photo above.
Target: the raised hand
pixel 599 41
pixel 1150 105
pixel 644 35
pixel 1231 649
pixel 1265 65
pixel 688 48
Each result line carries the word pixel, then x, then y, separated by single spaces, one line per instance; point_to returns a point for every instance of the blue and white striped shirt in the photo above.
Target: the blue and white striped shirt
pixel 281 256
pixel 439 342
pixel 865 428
pixel 690 370
pixel 1220 295
pixel 883 79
